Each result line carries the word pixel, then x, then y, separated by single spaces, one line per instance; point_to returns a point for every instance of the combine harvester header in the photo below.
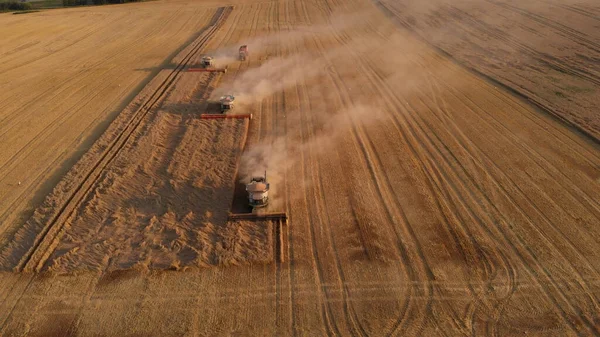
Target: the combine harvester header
pixel 225 116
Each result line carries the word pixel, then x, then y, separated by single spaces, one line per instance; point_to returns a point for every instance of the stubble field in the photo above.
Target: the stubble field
pixel 422 198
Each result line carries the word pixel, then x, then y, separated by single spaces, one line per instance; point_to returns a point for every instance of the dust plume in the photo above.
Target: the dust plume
pixel 280 73
pixel 279 155
pixel 257 46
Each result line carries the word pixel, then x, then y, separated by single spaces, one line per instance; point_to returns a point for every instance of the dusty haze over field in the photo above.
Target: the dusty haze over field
pixel 426 154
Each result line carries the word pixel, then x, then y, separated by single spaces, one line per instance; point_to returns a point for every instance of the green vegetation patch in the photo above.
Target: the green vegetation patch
pixel 14 6
pixel 105 2
pixel 95 2
pixel 46 4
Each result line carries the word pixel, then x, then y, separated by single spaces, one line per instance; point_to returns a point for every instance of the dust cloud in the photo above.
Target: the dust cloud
pixel 280 73
pixel 257 46
pixel 279 155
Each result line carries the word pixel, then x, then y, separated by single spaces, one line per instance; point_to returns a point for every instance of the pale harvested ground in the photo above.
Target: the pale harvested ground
pixel 164 202
pixel 63 74
pixel 548 51
pixel 422 201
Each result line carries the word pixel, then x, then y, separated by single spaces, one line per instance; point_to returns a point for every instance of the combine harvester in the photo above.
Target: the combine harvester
pixel 258 193
pixel 258 199
pixel 243 52
pixel 208 65
pixel 226 104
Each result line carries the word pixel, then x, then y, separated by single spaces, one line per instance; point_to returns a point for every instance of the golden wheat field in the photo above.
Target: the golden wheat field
pixel 438 164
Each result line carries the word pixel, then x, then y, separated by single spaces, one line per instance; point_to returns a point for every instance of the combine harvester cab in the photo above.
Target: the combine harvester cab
pixel 258 198
pixel 208 65
pixel 226 104
pixel 258 192
pixel 243 52
pixel 208 62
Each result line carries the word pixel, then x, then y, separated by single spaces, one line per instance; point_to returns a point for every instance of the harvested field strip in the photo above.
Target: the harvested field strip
pixel 438 133
pixel 260 111
pixel 239 204
pixel 369 236
pixel 57 259
pixel 419 274
pixel 559 80
pixel 157 195
pixel 36 254
pixel 280 107
pixel 66 97
pixel 328 271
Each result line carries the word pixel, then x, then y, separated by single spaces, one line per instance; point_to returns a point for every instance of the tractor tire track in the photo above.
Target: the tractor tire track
pixel 349 312
pixel 392 212
pixel 326 310
pixel 539 269
pixel 582 257
pixel 568 32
